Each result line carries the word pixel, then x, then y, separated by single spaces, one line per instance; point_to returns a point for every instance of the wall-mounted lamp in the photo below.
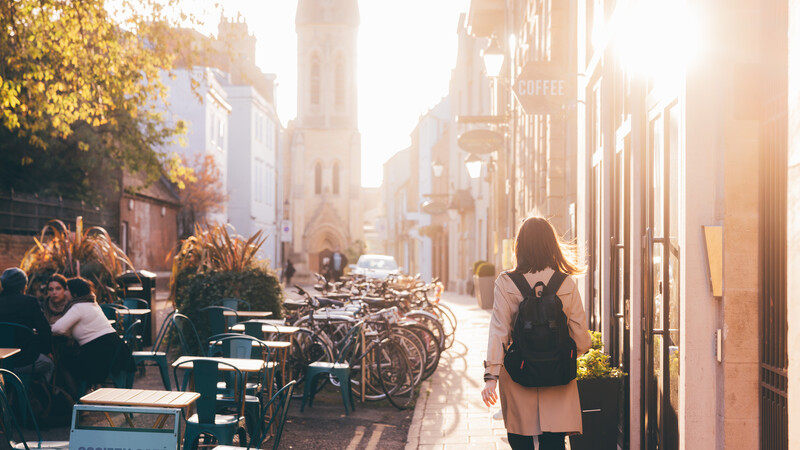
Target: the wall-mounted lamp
pixel 473 163
pixel 438 168
pixel 493 57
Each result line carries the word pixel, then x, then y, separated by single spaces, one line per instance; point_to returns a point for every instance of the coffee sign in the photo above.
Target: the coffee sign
pixel 543 88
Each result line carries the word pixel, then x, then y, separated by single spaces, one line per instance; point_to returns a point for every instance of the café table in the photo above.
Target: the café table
pixel 244 365
pixel 269 328
pixel 135 314
pixel 140 398
pixel 253 314
pixel 6 353
pixel 281 349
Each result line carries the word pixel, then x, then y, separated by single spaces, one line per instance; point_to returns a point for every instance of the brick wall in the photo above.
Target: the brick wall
pixel 12 248
pixel 152 232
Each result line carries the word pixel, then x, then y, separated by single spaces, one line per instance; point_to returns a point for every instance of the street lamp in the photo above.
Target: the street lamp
pixel 437 167
pixel 493 57
pixel 473 163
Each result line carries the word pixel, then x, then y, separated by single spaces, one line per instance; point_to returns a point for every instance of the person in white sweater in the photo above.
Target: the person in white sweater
pixel 102 352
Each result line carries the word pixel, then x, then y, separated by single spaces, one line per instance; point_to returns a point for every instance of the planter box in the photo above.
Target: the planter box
pixel 600 406
pixel 484 291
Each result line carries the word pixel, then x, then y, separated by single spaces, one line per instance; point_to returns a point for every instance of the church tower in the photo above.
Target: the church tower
pixel 325 144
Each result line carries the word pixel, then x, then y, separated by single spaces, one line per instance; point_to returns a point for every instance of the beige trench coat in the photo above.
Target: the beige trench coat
pixel 532 411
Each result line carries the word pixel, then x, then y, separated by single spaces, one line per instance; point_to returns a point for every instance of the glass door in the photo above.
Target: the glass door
pixel 620 276
pixel 661 308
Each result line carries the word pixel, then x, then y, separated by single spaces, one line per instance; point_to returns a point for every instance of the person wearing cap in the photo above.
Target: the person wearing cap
pixel 102 352
pixel 16 307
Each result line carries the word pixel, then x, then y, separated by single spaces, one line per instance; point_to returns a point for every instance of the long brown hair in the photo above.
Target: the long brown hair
pixel 538 247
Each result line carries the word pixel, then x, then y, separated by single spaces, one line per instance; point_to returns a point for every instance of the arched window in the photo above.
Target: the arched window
pixel 315 80
pixel 340 80
pixel 318 178
pixel 336 178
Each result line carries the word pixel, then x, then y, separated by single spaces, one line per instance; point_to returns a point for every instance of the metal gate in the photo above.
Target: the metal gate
pixel 772 231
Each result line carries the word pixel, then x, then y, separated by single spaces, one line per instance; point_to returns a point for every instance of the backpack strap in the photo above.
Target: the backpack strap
pixel 522 284
pixel 555 282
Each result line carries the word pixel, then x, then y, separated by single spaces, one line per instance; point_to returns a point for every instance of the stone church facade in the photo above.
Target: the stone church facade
pixel 324 191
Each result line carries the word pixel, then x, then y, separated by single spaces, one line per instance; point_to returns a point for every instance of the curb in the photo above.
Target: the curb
pixel 412 441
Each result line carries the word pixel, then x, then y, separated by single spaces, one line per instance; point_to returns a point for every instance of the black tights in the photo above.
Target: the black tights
pixel 547 441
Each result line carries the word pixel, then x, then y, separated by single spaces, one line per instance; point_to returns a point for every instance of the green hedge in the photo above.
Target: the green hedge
pixel 258 286
pixel 485 270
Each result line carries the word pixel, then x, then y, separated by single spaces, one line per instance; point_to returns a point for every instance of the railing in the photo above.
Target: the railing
pixel 29 213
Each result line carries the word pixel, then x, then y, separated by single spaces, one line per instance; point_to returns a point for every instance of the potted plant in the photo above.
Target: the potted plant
pixel 484 285
pixel 599 387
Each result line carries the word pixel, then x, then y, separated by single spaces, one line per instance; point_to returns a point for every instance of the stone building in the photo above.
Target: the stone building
pixel 324 197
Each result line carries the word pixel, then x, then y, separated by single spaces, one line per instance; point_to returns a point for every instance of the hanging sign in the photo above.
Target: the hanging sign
pixel 543 88
pixel 480 141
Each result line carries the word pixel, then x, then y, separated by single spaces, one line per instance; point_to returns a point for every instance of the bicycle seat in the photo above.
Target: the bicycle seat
pixel 324 301
pixel 292 305
pixel 377 302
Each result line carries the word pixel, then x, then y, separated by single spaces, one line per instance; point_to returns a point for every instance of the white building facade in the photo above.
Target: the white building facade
pixel 207 121
pixel 253 195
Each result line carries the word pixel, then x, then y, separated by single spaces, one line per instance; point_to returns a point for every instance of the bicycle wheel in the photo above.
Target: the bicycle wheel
pixel 396 375
pixel 432 349
pixel 364 375
pixel 415 350
pixel 449 323
pixel 431 322
pixel 306 348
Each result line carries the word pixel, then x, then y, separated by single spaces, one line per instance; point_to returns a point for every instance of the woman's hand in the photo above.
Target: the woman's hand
pixel 489 393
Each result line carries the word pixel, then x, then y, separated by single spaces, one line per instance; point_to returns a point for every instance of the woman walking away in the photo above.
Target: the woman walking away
pixel 101 351
pixel 549 412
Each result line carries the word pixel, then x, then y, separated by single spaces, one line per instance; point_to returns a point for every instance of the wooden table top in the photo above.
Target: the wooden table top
pixel 6 352
pixel 247 313
pixel 140 397
pixel 269 328
pixel 269 344
pixel 134 312
pixel 245 365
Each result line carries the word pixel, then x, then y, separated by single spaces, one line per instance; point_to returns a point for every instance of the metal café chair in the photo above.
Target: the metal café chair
pixel 8 421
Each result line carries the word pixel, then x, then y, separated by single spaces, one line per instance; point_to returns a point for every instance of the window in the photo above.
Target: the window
pixel 336 178
pixel 340 81
pixel 315 80
pixel 318 178
pixel 221 139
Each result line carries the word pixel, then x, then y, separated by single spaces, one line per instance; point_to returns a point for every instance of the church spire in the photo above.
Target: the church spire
pixel 316 12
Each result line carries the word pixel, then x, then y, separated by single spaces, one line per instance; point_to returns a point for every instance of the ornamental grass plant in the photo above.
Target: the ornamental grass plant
pixel 86 252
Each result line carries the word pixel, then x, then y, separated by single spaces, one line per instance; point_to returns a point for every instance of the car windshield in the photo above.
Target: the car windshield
pixel 385 263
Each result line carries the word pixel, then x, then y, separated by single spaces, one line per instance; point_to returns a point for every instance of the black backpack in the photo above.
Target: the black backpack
pixel 542 353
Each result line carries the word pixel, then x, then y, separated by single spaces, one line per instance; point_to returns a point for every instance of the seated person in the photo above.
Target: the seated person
pixel 56 300
pixel 16 307
pixel 102 352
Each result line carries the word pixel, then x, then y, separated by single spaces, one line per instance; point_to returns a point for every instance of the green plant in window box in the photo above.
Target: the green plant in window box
pixel 595 363
pixel 599 388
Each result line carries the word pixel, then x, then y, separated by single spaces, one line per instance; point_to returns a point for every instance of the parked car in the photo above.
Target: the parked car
pixel 376 266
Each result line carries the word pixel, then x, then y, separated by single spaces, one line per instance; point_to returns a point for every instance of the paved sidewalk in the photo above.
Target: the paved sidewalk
pixel 449 413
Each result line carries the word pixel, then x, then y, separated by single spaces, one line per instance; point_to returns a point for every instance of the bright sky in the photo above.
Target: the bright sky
pixel 406 51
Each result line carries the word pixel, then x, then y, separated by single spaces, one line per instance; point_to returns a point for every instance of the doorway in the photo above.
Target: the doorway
pixel 620 276
pixel 661 272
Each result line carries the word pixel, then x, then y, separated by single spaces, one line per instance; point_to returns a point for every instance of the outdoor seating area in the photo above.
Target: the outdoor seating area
pixel 226 389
